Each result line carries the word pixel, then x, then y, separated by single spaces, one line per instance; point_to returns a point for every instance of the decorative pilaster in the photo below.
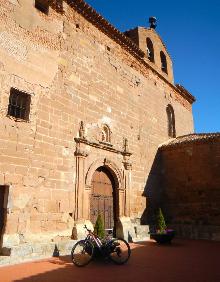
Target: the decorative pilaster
pixel 127 177
pixel 80 193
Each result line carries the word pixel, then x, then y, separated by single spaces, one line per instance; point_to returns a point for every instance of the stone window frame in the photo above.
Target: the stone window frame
pixel 171 121
pixel 19 104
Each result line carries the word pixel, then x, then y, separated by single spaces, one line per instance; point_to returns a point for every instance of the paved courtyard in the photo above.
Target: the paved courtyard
pixel 184 260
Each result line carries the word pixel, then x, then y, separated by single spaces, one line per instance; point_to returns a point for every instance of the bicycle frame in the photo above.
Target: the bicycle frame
pixel 97 241
pixel 93 238
pixel 110 248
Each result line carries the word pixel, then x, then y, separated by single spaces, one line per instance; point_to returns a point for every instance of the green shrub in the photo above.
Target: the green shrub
pixel 99 227
pixel 161 224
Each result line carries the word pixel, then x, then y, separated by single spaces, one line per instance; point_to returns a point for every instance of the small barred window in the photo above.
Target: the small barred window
pixel 42 6
pixel 19 104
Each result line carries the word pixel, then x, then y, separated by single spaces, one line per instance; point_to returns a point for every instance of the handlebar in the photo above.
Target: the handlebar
pixel 87 228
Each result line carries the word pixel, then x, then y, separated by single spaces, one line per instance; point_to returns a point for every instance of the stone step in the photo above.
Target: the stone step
pixel 4 260
pixel 141 232
pixel 141 239
pixel 132 230
pixel 34 251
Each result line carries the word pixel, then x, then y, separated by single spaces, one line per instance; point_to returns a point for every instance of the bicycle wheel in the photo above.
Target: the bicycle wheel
pixel 82 253
pixel 119 251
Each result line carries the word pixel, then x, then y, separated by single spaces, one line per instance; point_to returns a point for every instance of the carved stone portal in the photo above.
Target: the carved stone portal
pixel 121 175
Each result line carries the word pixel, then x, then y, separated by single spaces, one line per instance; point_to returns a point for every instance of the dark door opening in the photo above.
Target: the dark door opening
pixel 2 211
pixel 103 198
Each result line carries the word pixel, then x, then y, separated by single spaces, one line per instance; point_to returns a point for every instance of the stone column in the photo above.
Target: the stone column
pixel 127 178
pixel 127 183
pixel 121 202
pixel 81 155
pixel 80 181
pixel 81 195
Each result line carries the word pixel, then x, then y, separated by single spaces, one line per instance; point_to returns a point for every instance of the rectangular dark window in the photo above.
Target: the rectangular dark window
pixel 42 5
pixel 19 104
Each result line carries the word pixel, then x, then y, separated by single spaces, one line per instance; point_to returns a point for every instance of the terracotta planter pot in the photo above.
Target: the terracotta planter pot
pixel 163 238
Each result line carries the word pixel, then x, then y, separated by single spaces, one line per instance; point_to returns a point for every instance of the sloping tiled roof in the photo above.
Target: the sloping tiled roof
pixel 185 92
pixel 191 138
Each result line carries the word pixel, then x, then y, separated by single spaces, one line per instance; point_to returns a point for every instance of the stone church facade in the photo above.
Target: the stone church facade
pixel 83 109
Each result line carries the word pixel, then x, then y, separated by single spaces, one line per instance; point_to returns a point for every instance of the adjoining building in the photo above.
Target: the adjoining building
pixel 190 179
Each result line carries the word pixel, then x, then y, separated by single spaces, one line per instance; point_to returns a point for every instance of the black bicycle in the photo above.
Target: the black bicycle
pixel 117 250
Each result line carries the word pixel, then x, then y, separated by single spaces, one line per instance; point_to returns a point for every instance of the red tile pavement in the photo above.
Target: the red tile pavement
pixel 183 260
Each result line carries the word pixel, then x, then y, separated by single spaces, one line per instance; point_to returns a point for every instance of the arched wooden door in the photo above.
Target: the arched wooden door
pixel 102 197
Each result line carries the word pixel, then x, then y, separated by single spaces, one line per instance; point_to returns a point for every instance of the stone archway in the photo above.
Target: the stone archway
pixel 121 176
pixel 111 166
pixel 120 171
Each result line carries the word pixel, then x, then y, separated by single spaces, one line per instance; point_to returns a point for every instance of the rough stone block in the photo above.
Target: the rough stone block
pixel 4 260
pixel 21 251
pixel 79 232
pixel 125 229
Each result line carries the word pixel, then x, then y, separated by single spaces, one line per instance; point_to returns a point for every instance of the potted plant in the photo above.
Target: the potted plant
pixel 162 234
pixel 99 230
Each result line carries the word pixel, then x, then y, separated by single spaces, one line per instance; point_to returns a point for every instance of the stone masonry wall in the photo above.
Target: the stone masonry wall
pixel 73 73
pixel 192 186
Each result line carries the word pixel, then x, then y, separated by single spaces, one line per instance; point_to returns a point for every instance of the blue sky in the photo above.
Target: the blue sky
pixel 191 31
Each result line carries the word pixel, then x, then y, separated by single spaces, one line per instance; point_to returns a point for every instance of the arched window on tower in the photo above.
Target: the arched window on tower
pixel 163 61
pixel 150 50
pixel 106 134
pixel 171 122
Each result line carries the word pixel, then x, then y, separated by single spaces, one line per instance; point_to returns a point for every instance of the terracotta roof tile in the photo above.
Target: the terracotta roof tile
pixel 190 138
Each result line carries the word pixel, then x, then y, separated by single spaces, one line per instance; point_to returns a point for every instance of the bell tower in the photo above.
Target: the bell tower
pixel 156 53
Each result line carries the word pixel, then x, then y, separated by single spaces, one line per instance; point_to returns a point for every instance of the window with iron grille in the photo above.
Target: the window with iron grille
pixel 42 5
pixel 19 104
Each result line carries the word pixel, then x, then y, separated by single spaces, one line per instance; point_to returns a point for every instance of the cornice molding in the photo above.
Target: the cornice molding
pixel 102 146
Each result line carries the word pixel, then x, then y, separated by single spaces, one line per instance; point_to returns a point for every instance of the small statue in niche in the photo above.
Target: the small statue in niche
pixel 125 145
pixel 105 134
pixel 81 130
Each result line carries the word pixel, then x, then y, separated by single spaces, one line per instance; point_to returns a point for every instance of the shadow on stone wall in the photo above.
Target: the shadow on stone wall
pixel 154 193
